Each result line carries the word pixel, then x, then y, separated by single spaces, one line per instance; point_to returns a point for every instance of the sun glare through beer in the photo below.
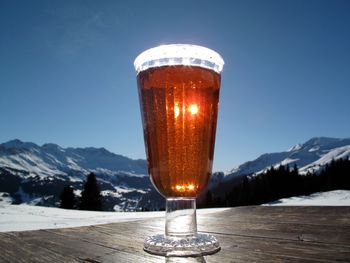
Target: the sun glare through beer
pixel 182 188
pixel 193 109
pixel 176 110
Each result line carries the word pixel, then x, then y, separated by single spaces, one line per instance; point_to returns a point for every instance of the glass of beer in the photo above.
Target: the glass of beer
pixel 178 89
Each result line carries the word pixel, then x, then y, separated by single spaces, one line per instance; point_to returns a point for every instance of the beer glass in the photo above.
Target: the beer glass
pixel 178 89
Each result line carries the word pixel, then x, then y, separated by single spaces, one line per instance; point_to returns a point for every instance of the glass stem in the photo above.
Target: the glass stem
pixel 181 220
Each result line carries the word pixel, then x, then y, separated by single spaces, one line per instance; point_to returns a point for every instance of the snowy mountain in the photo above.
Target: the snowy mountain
pixel 309 156
pixel 37 174
pixel 51 160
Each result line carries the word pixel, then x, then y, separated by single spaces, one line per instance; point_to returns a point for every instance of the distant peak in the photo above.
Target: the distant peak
pixel 315 141
pixel 321 141
pixel 16 143
pixel 50 145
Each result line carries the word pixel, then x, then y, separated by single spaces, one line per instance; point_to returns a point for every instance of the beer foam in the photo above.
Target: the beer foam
pixel 179 54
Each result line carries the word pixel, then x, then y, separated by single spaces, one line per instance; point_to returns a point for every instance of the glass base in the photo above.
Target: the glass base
pixel 193 246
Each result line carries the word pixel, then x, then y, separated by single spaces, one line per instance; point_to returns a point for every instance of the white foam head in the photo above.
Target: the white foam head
pixel 179 54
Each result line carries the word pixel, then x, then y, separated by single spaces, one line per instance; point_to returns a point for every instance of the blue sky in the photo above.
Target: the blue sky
pixel 67 76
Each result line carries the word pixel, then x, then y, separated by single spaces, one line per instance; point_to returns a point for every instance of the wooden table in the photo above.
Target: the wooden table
pixel 246 234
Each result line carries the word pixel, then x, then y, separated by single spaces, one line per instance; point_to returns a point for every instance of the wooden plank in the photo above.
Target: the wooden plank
pixel 247 234
pixel 15 249
pixel 258 249
pixel 271 248
pixel 298 232
pixel 316 215
pixel 63 249
pixel 230 241
pixel 127 247
pixel 332 232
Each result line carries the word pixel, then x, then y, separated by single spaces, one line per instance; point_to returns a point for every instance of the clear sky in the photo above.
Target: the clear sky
pixel 67 76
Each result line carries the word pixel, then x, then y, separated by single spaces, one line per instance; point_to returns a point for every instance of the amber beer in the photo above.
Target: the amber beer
pixel 179 91
pixel 179 107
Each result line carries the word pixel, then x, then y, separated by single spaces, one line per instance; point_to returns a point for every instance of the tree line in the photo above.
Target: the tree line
pixel 90 198
pixel 274 184
pixel 282 182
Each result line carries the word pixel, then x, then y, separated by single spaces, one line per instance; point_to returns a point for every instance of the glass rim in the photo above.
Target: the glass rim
pixel 179 54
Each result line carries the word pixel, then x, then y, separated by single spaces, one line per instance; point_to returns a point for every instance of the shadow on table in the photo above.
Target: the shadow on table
pixel 185 260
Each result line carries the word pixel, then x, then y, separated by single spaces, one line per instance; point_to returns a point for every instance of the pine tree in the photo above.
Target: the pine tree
pixel 91 198
pixel 208 199
pixel 67 198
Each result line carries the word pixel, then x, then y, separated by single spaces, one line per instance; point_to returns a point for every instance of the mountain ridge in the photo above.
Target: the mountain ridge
pixel 304 155
pixel 82 159
pixel 36 174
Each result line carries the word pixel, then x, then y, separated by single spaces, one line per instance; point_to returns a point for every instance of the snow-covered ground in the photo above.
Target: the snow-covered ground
pixel 331 198
pixel 27 217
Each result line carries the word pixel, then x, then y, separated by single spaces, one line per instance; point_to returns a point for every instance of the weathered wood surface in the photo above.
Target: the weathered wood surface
pixel 246 234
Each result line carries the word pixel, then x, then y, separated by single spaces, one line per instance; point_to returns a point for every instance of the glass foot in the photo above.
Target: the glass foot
pixel 193 246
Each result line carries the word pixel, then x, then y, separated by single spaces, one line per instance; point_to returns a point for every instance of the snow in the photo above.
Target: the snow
pixel 30 163
pixel 296 147
pixel 334 154
pixel 111 193
pixel 52 160
pixel 5 198
pixel 331 198
pixel 29 199
pixel 287 161
pixel 128 190
pixel 314 149
pixel 26 217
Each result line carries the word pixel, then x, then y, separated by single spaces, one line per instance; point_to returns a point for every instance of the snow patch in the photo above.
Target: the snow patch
pixel 296 147
pixel 331 198
pixel 314 149
pixel 287 161
pixel 335 154
pixel 5 198
pixel 26 217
